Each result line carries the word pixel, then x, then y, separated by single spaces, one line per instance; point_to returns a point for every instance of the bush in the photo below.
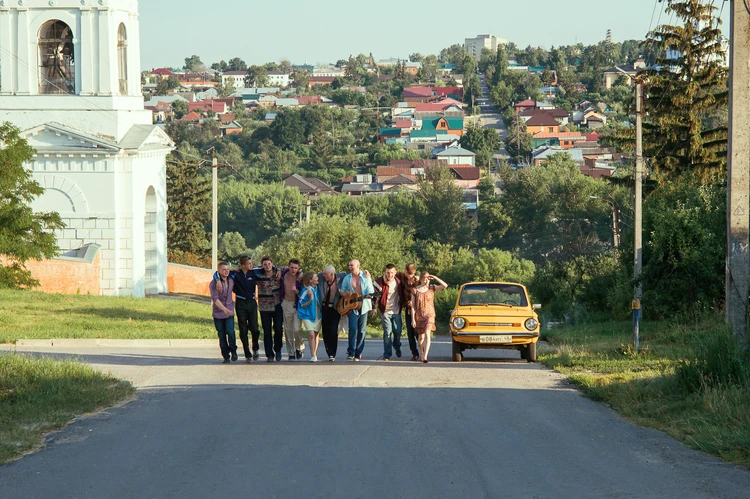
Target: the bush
pixel 445 301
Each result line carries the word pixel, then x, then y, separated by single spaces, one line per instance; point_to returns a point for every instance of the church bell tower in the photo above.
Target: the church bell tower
pixel 70 81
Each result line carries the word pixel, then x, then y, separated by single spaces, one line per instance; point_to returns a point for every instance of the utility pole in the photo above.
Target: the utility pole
pixel 738 169
pixel 638 222
pixel 307 208
pixel 214 210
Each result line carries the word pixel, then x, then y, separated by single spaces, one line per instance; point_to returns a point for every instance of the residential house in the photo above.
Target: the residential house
pixel 456 155
pixel 560 115
pixel 328 72
pixel 452 125
pixel 542 155
pixel 192 117
pixel 320 80
pixel 278 78
pixel 383 78
pixel 524 105
pixel 388 62
pixel 389 133
pixel 399 182
pixel 268 101
pixel 209 93
pixel 270 117
pixel 169 99
pixel 230 128
pixel 412 68
pixel 564 140
pixel 542 122
pixel 287 102
pixel 466 176
pixel 217 106
pixel 418 94
pixel 161 73
pixel 629 71
pixel 196 80
pixel 579 88
pixel 235 79
pixel 403 124
pixel 311 187
pixel 432 110
pixel 157 116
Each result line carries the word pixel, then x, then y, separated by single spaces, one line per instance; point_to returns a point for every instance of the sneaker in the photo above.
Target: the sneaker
pixel 350 357
pixel 415 357
pixel 269 359
pixel 292 357
pixel 386 359
pixel 331 358
pixel 298 354
pixel 398 352
pixel 256 355
pixel 248 359
pixel 278 356
pixel 225 361
pixel 356 359
pixel 314 358
pixel 234 356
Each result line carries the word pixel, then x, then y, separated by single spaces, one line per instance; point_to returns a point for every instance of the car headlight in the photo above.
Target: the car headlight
pixel 531 324
pixel 459 323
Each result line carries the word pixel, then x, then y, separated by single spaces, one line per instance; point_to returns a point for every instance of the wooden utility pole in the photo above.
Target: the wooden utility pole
pixel 638 219
pixel 738 169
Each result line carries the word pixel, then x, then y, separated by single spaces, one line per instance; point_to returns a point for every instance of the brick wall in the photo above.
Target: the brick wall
pixel 185 279
pixel 66 276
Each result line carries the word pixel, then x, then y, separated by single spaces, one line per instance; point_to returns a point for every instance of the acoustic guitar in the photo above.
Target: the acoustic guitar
pixel 354 302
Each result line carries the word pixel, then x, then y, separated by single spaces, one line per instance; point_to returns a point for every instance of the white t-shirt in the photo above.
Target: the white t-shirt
pixel 391 303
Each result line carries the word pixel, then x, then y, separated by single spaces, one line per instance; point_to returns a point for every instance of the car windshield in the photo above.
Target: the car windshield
pixel 493 294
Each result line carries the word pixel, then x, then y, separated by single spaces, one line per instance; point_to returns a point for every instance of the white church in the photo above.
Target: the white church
pixel 70 81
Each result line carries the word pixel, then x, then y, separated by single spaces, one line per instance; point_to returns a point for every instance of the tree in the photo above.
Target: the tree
pixel 179 109
pixel 689 88
pixel 493 223
pixel 322 149
pixel 501 64
pixel 232 246
pixel 189 202
pixel 24 234
pixel 220 66
pixel 442 216
pixel 225 89
pixel 236 64
pixel 486 59
pixel 257 76
pixel 193 63
pixel 452 54
pixel 484 142
pixel 300 78
pixel 518 141
pixel 287 129
pixel 430 67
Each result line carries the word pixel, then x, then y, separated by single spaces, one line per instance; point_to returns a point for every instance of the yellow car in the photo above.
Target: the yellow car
pixel 494 315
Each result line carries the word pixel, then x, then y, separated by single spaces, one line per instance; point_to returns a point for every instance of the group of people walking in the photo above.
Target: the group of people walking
pixel 288 300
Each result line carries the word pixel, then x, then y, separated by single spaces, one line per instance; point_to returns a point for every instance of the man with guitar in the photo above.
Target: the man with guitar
pixel 356 292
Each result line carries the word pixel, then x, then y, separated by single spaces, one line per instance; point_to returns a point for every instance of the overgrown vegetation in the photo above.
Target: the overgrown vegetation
pixel 40 395
pixel 690 380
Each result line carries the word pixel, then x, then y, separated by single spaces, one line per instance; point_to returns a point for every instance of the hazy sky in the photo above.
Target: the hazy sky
pixel 320 31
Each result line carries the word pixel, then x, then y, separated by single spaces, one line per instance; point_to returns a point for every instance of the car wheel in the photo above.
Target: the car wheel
pixel 458 354
pixel 524 351
pixel 531 354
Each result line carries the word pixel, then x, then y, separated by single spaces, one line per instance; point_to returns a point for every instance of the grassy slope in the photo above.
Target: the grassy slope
pixel 29 315
pixel 35 315
pixel 646 389
pixel 42 395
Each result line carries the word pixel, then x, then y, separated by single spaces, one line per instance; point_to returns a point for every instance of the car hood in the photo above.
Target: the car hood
pixel 494 311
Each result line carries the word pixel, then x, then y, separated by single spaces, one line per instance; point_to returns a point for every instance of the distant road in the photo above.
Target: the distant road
pixel 491 118
pixel 490 427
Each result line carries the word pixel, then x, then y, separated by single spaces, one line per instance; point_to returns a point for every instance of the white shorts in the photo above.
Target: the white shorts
pixel 313 326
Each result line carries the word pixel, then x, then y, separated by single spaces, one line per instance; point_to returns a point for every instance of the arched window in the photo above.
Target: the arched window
pixel 56 59
pixel 122 58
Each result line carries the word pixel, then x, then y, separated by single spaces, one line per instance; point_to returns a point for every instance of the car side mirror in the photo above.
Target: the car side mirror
pixel 537 306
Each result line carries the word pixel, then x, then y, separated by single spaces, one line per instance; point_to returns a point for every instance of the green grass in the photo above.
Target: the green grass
pixel 39 395
pixel 35 315
pixel 657 387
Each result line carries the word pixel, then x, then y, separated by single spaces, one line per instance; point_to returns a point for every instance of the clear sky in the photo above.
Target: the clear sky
pixel 321 31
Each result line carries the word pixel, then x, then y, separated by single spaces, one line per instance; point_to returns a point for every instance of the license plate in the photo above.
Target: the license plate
pixel 499 338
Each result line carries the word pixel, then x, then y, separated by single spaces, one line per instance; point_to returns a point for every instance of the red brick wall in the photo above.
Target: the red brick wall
pixel 66 276
pixel 185 279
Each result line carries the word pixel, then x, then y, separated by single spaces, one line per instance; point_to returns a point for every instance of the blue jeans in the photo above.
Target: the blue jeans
pixel 225 330
pixel 357 329
pixel 391 327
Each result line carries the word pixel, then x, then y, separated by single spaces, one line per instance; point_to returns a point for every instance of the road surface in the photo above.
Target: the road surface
pixel 492 426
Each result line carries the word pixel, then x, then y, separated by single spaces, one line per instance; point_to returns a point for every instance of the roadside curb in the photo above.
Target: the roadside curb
pixel 114 343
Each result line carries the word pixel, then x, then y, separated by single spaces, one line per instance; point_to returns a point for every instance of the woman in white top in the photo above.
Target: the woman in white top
pixel 309 312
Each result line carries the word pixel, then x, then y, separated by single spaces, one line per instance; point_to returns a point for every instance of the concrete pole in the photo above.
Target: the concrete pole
pixel 214 211
pixel 307 208
pixel 738 170
pixel 638 222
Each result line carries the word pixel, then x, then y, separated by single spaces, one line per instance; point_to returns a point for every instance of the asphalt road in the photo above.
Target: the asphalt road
pixel 489 427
